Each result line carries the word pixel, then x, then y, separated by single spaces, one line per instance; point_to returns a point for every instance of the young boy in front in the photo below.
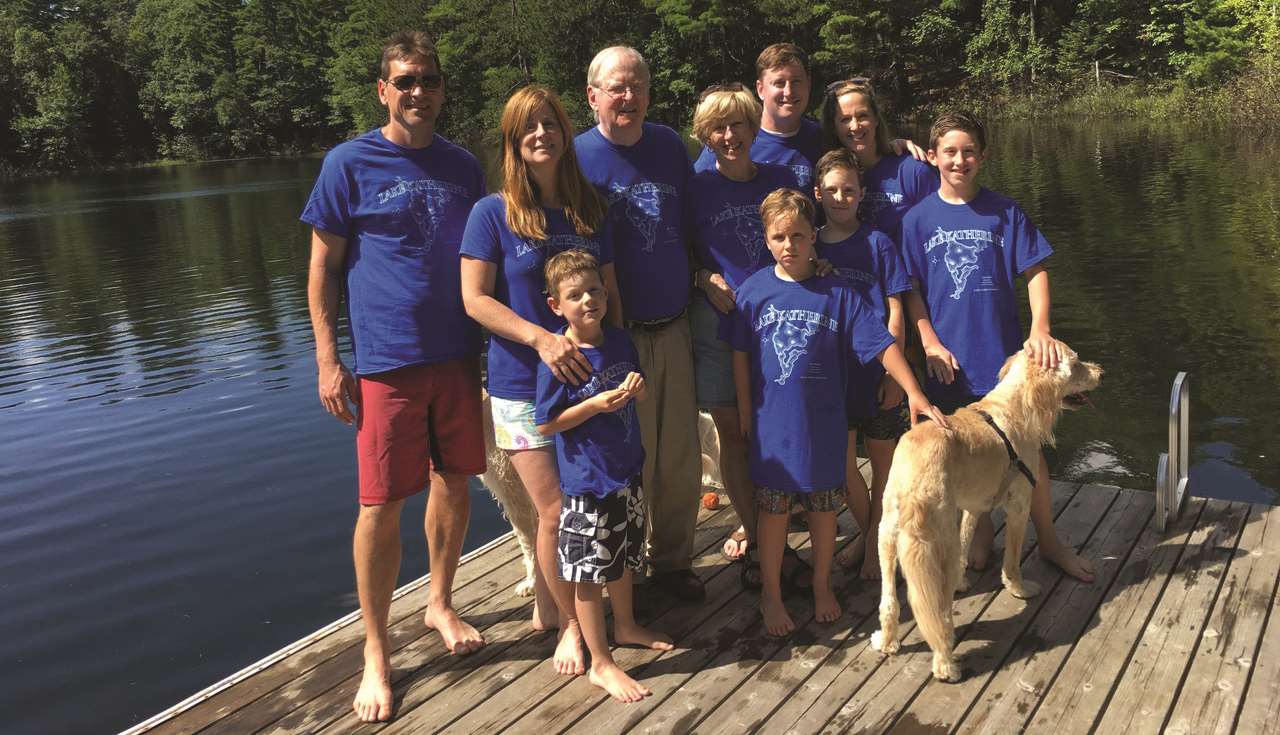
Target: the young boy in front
pixel 868 260
pixel 795 337
pixel 963 247
pixel 600 458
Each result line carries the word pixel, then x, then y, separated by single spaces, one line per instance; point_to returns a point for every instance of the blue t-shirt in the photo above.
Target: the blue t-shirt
pixel 799 152
pixel 402 211
pixel 724 220
pixel 966 258
pixel 520 284
pixel 869 262
pixel 802 339
pixel 602 454
pixel 645 186
pixel 894 185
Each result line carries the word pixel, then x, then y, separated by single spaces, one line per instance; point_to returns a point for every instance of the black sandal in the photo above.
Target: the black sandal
pixel 797 575
pixel 749 575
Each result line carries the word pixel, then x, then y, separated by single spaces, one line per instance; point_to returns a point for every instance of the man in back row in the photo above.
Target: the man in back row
pixel 642 169
pixel 786 137
pixel 387 215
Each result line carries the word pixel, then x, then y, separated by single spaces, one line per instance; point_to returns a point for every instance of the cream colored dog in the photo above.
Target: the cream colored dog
pixel 504 485
pixel 937 473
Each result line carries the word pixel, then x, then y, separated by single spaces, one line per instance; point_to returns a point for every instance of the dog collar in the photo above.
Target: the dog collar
pixel 1014 460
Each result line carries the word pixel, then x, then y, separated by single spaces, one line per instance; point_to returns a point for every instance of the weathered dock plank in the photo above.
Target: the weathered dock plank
pixel 983 645
pixel 1176 635
pixel 837 696
pixel 1145 692
pixel 1211 694
pixel 342 644
pixel 895 684
pixel 1027 674
pixel 469 687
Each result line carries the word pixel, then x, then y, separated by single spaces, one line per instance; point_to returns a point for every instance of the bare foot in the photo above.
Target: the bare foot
pixel 871 564
pixel 373 699
pixel 850 555
pixel 615 681
pixel 637 636
pixel 1069 562
pixel 825 607
pixel 736 545
pixel 545 615
pixel 458 635
pixel 776 619
pixel 569 658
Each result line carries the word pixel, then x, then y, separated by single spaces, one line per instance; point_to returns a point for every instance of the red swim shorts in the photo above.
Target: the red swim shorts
pixel 416 419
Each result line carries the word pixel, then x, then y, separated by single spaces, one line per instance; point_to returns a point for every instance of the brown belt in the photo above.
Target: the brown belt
pixel 654 325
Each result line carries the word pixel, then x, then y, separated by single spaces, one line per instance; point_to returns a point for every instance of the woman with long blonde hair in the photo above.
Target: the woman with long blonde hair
pixel 544 207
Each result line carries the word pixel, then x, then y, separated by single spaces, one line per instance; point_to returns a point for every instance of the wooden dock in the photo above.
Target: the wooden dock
pixel 1176 635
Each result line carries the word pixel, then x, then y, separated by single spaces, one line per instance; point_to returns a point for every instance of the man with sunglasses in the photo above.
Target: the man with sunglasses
pixel 642 169
pixel 387 215
pixel 786 137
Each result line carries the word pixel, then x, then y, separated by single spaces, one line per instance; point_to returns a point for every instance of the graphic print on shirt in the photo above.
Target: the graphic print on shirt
pixel 961 255
pixel 791 338
pixel 556 244
pixel 747 226
pixel 804 175
pixel 428 203
pixel 877 201
pixel 608 379
pixel 644 207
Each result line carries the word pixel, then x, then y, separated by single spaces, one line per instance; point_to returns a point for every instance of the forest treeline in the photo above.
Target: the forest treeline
pixel 107 82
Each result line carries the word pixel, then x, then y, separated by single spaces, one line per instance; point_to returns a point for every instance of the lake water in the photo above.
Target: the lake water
pixel 174 503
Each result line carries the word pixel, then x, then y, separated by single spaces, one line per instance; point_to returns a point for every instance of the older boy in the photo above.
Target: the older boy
pixel 795 337
pixel 600 456
pixel 964 246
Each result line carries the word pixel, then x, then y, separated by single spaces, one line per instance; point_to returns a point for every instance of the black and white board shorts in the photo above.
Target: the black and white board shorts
pixel 601 537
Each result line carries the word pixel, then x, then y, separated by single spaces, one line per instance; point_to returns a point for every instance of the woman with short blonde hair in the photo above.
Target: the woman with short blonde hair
pixel 728 241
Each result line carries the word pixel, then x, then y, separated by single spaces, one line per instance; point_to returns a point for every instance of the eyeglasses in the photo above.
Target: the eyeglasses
pixel 721 87
pixel 406 82
pixel 863 82
pixel 618 91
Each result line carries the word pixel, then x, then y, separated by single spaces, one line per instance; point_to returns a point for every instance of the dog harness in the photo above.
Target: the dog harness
pixel 1014 460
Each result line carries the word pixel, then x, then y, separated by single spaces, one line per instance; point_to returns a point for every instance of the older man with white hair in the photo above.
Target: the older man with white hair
pixel 642 169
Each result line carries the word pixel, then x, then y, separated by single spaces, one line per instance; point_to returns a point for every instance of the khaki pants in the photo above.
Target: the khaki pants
pixel 672 478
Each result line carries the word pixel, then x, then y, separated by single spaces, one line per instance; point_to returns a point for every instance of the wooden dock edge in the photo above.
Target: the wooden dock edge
pixel 263 663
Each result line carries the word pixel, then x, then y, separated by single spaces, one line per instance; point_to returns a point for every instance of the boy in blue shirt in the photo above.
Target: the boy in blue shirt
pixel 964 246
pixel 795 336
pixel 600 456
pixel 869 261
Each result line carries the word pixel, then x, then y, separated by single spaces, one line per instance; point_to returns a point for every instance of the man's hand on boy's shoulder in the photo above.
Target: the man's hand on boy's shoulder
pixel 1041 347
pixel 940 363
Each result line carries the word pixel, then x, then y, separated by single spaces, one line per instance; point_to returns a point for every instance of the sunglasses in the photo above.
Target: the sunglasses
pixel 406 82
pixel 721 87
pixel 851 82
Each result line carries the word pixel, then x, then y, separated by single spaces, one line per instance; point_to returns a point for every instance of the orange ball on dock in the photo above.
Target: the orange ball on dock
pixel 711 500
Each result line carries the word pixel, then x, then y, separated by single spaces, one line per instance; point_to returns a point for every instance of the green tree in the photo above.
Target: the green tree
pixel 183 50
pixel 355 50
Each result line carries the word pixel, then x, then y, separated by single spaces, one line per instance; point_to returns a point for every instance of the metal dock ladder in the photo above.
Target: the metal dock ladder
pixel 1171 470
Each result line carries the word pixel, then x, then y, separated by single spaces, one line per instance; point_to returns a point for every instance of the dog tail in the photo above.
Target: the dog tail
pixel 923 555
